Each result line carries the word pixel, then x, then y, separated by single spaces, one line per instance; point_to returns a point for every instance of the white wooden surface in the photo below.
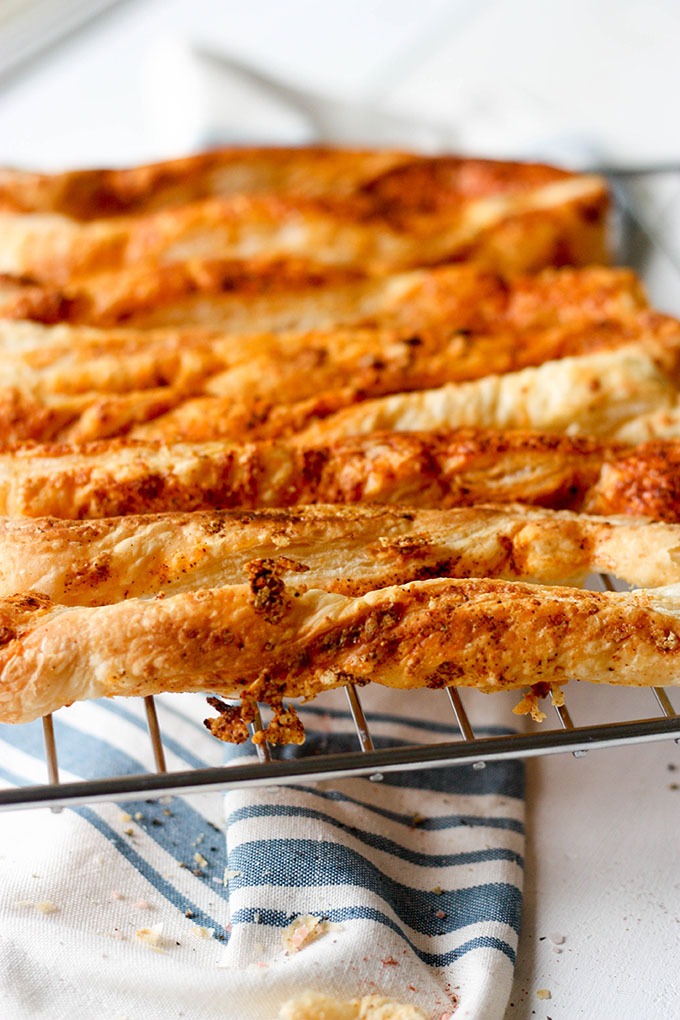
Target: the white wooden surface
pixel 582 81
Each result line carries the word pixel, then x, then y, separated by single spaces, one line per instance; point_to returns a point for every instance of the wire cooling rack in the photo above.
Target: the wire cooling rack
pixel 639 245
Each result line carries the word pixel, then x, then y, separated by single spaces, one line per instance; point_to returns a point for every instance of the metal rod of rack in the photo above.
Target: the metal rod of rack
pixel 664 703
pixel 464 725
pixel 462 720
pixel 155 734
pixel 50 749
pixel 359 718
pixel 338 766
pixel 567 723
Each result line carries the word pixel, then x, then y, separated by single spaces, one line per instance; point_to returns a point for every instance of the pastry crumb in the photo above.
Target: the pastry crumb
pixel 152 937
pixel 144 905
pixel 312 1005
pixel 529 706
pixel 302 931
pixel 43 906
pixel 544 993
pixel 46 907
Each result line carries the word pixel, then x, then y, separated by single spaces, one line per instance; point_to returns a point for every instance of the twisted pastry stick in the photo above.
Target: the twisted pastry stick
pixel 265 642
pixel 346 549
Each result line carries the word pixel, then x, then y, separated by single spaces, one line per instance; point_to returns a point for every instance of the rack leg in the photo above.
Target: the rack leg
pixel 567 724
pixel 51 754
pixel 50 749
pixel 360 723
pixel 155 733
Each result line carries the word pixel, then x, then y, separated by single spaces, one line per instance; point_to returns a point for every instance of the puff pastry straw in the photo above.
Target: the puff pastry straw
pixel 282 294
pixel 426 469
pixel 593 394
pixel 55 249
pixel 77 383
pixel 429 469
pixel 350 550
pixel 265 643
pixel 381 179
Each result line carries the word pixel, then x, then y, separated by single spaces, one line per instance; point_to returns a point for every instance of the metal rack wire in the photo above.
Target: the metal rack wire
pixel 634 240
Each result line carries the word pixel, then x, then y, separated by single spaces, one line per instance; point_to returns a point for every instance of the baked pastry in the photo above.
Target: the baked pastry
pixel 662 423
pixel 604 394
pixel 643 481
pixel 511 218
pixel 53 248
pixel 247 295
pixel 269 294
pixel 350 549
pixel 489 634
pixel 79 383
pixel 592 394
pixel 252 293
pixel 432 469
pixel 389 180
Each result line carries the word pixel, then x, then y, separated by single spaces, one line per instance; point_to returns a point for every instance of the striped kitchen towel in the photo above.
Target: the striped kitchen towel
pixel 402 894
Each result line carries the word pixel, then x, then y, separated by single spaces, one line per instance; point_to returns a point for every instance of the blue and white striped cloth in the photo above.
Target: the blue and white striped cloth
pixel 146 910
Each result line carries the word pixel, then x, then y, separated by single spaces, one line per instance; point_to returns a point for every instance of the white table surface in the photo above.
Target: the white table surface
pixel 511 79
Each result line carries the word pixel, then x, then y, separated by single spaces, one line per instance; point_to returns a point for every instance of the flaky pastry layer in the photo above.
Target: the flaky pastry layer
pixel 389 181
pixel 592 394
pixel 78 383
pixel 347 549
pixel 263 644
pixel 565 216
pixel 432 469
pixel 281 294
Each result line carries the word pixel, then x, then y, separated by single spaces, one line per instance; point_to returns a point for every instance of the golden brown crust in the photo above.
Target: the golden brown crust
pixel 386 181
pixel 171 247
pixel 350 550
pixel 493 635
pixel 439 469
pixel 592 395
pixel 265 294
pixel 309 172
pixel 570 307
pixel 551 221
pixel 289 294
pixel 291 386
pixel 232 385
pixel 644 482
pixel 202 292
